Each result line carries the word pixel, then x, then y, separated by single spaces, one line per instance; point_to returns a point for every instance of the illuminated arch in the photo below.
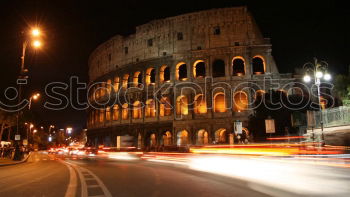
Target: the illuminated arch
pixel 109 86
pixel 125 111
pixel 220 136
pixel 165 107
pixel 116 84
pixel 150 76
pixel 182 105
pixel 200 104
pixel 167 138
pixel 181 71
pixel 125 82
pixel 137 80
pixel 153 140
pixel 240 100
pixel 182 138
pixel 108 113
pixel 115 112
pixel 259 65
pixel 150 110
pixel 137 110
pixel 164 74
pixel 199 69
pixel 238 66
pixel 202 137
pixel 219 102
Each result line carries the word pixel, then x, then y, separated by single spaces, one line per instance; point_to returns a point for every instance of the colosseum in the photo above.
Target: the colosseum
pixel 182 80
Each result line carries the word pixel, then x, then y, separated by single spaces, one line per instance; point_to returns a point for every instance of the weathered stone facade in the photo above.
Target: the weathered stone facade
pixel 199 62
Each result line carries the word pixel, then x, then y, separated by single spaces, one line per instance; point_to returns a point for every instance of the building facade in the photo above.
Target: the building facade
pixel 181 80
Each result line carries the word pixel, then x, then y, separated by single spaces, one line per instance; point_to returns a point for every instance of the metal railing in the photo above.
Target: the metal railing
pixel 338 116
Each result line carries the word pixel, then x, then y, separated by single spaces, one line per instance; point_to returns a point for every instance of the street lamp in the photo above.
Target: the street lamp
pixel 318 70
pixel 33 97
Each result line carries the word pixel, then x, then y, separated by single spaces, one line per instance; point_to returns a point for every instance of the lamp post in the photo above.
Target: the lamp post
pixel 22 79
pixel 33 97
pixel 317 70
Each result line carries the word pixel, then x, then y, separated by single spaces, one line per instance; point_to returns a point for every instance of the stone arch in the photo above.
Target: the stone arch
pixel 115 112
pixel 220 136
pixel 238 66
pixel 164 74
pixel 153 140
pixel 202 137
pixel 218 68
pixel 125 83
pixel 167 138
pixel 108 113
pixel 137 80
pixel 200 104
pixel 182 105
pixel 182 138
pixel 165 106
pixel 125 111
pixel 137 110
pixel 259 66
pixel 139 141
pixel 109 86
pixel 199 69
pixel 116 84
pixel 150 76
pixel 181 71
pixel 150 110
pixel 240 100
pixel 220 102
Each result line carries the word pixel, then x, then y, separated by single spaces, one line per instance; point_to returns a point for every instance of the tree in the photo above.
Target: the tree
pixel 342 88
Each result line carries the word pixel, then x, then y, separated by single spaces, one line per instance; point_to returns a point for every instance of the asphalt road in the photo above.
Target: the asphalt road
pixel 50 175
pixel 67 176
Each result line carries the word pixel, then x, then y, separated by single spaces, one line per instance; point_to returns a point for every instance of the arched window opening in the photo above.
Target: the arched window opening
pixel 125 111
pixel 150 108
pixel 181 105
pixel 202 137
pixel 165 107
pixel 116 84
pixel 238 66
pixel 108 113
pixel 109 86
pixel 199 69
pixel 220 136
pixel 219 102
pixel 115 112
pixel 181 71
pixel 153 140
pixel 164 74
pixel 150 76
pixel 258 65
pixel 240 100
pixel 137 79
pixel 218 68
pixel 167 138
pixel 259 94
pixel 126 81
pixel 103 89
pixel 137 110
pixel 200 105
pixel 182 138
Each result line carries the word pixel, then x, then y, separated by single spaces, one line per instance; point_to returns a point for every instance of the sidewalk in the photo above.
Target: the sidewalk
pixel 8 162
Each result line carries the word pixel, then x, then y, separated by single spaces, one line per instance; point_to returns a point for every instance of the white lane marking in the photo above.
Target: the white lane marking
pixel 73 183
pixel 84 187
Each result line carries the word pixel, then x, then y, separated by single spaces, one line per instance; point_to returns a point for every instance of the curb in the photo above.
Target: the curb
pixel 19 162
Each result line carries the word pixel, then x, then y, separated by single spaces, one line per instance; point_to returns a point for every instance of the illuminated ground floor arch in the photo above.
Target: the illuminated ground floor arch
pixel 202 137
pixel 182 138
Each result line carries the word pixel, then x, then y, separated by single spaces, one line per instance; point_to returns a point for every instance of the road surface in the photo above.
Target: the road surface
pixel 68 176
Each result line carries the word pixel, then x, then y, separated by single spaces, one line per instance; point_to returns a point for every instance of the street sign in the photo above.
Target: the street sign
pixel 17 137
pixel 270 125
pixel 238 127
pixel 25 142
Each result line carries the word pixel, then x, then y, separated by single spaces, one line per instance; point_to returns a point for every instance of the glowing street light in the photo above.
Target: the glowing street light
pixel 35 130
pixel 69 130
pixel 35 32
pixel 36 43
pixel 33 97
pixel 319 71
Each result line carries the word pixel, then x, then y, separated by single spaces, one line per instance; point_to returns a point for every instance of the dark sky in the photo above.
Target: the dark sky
pixel 299 30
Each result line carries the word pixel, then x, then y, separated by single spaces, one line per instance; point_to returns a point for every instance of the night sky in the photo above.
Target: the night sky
pixel 299 30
